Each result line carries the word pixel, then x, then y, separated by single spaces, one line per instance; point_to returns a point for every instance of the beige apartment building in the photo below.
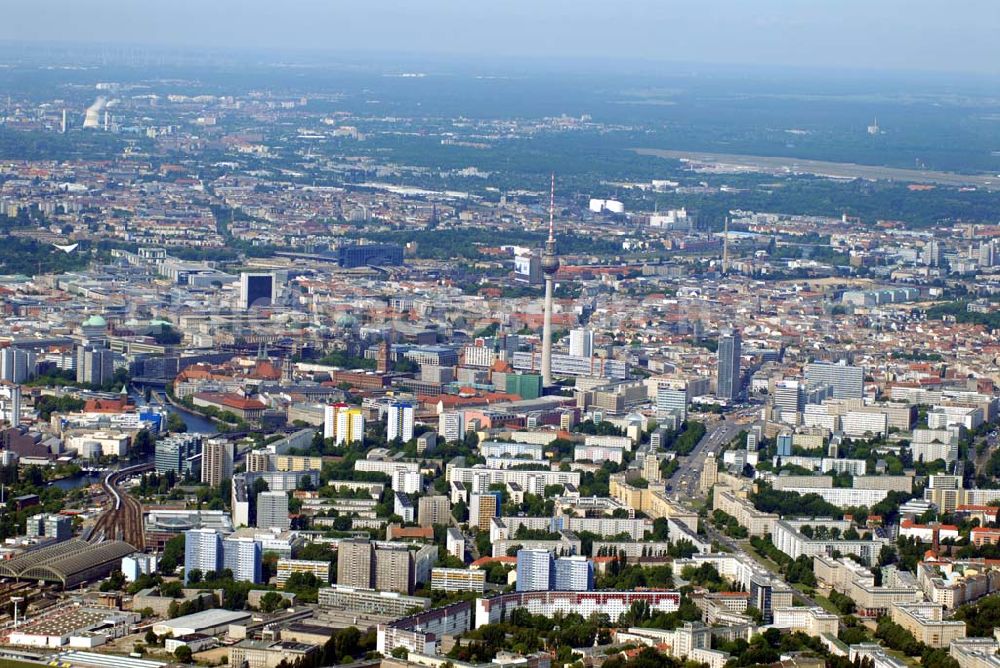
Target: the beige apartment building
pixel 756 522
pixel 927 623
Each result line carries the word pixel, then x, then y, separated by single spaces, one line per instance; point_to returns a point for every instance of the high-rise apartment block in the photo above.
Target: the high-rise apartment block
pixel 433 510
pixel 534 570
pixel 573 574
pixel 382 566
pixel 451 426
pixel 400 424
pixel 350 426
pixel 847 381
pixel 355 563
pixel 243 557
pixel 581 343
pixel 272 511
pixel 482 509
pixel 216 461
pixel 202 551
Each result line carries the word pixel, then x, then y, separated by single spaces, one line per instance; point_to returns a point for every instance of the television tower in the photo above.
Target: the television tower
pixel 550 265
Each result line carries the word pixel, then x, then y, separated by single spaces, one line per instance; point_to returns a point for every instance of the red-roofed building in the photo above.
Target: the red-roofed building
pixel 116 405
pixel 399 532
pixel 927 533
pixel 482 562
pixel 985 536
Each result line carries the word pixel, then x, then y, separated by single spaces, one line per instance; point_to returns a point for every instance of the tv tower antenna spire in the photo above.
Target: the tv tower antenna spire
pixel 552 209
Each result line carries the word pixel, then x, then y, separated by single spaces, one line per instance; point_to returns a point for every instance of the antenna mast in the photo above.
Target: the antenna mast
pixel 552 208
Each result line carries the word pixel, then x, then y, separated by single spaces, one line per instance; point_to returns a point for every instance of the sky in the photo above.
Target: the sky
pixel 929 35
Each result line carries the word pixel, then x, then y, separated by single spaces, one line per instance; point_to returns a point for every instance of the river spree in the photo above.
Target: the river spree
pixel 194 422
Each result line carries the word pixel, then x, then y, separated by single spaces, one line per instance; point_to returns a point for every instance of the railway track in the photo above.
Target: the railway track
pixel 123 520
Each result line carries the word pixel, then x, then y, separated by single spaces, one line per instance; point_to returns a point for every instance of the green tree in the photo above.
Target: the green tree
pixel 272 601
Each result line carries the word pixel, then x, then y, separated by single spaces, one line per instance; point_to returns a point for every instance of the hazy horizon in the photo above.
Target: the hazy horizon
pixel 850 35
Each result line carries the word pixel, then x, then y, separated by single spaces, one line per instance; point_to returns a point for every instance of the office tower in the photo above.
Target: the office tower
pixel 400 424
pixel 35 526
pixel 216 462
pixel 367 255
pixel 180 453
pixel 16 366
pixel 788 398
pixel 784 445
pixel 272 511
pixel 433 510
pixel 54 527
pixel 573 574
pixel 581 343
pixel 202 551
pixel 483 508
pixel 534 570
pixel 528 268
pixel 355 563
pixel 550 265
pixel 94 366
pixel 394 569
pixel 671 401
pixel 524 385
pixel 761 594
pixel 451 426
pixel 243 557
pixel 58 527
pixel 10 403
pixel 350 426
pixel 257 289
pixel 728 379
pixel 848 382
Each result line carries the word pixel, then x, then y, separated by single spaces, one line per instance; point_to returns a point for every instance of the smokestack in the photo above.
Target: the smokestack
pixel 107 121
pixel 62 126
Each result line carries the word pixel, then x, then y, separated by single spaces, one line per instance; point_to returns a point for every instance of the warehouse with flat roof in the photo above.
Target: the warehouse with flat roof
pixel 207 622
